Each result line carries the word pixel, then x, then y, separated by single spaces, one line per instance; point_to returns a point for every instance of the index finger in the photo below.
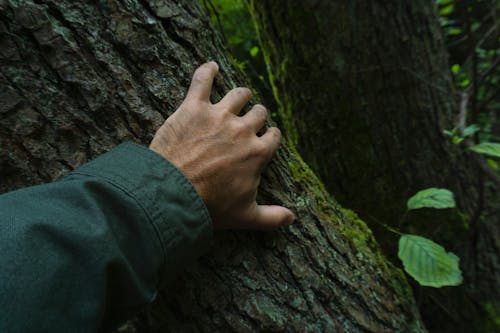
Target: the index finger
pixel 201 84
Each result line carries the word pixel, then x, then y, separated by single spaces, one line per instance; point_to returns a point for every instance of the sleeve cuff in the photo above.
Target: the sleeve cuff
pixel 174 208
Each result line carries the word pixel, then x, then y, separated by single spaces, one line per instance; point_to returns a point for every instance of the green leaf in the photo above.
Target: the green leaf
pixel 471 130
pixel 432 198
pixel 456 139
pixel 492 163
pixel 455 68
pixel 464 83
pixel 446 10
pixel 254 51
pixel 428 262
pixel 487 148
pixel 449 133
pixel 454 31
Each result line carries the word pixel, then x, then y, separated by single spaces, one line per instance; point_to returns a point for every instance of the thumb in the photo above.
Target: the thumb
pixel 272 217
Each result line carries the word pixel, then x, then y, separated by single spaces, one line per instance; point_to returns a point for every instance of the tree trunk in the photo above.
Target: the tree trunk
pixel 79 77
pixel 364 91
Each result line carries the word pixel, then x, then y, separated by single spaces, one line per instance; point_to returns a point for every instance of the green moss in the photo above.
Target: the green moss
pixel 300 170
pixel 357 231
pixel 348 222
pixel 316 195
pixel 240 65
pixel 284 107
pixel 274 73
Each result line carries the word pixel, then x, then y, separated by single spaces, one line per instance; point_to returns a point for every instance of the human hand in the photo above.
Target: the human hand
pixel 221 154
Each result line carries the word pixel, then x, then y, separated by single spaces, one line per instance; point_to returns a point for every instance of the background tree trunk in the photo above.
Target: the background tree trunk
pixel 79 77
pixel 364 91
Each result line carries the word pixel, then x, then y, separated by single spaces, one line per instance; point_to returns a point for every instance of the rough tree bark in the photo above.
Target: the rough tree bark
pixel 364 91
pixel 79 77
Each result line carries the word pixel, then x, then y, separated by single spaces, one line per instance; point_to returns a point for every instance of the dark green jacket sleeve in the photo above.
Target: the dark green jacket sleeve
pixel 84 253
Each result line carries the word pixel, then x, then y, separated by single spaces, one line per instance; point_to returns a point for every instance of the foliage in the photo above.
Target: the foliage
pixel 487 148
pixel 432 198
pixel 428 263
pixel 232 19
pixel 471 31
pixel 467 132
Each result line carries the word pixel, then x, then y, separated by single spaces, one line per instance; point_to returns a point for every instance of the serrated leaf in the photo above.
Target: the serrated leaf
pixel 487 148
pixel 432 198
pixel 428 262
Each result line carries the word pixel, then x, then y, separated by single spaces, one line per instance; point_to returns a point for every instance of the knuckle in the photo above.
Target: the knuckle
pixel 202 74
pixel 241 127
pixel 261 149
pixel 242 92
pixel 219 117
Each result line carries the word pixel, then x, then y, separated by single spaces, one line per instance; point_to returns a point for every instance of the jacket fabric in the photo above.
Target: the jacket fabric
pixel 85 253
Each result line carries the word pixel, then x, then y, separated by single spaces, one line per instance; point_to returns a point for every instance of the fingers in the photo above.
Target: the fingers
pixel 201 84
pixel 272 217
pixel 235 100
pixel 256 117
pixel 272 139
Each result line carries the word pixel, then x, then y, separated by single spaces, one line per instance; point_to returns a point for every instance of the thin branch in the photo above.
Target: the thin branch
pixel 490 99
pixel 462 121
pixel 469 92
pixel 486 73
pixel 486 35
pixel 462 113
pixel 493 28
pixel 448 312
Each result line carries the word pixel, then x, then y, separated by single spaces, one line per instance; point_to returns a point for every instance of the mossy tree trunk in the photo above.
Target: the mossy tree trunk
pixel 365 92
pixel 79 77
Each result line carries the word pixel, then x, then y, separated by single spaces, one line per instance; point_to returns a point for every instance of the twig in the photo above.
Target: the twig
pixel 387 227
pixel 462 121
pixel 486 73
pixel 479 43
pixel 462 112
pixel 485 103
pixel 444 308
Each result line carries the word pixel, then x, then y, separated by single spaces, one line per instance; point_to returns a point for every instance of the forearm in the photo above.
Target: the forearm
pixel 90 250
